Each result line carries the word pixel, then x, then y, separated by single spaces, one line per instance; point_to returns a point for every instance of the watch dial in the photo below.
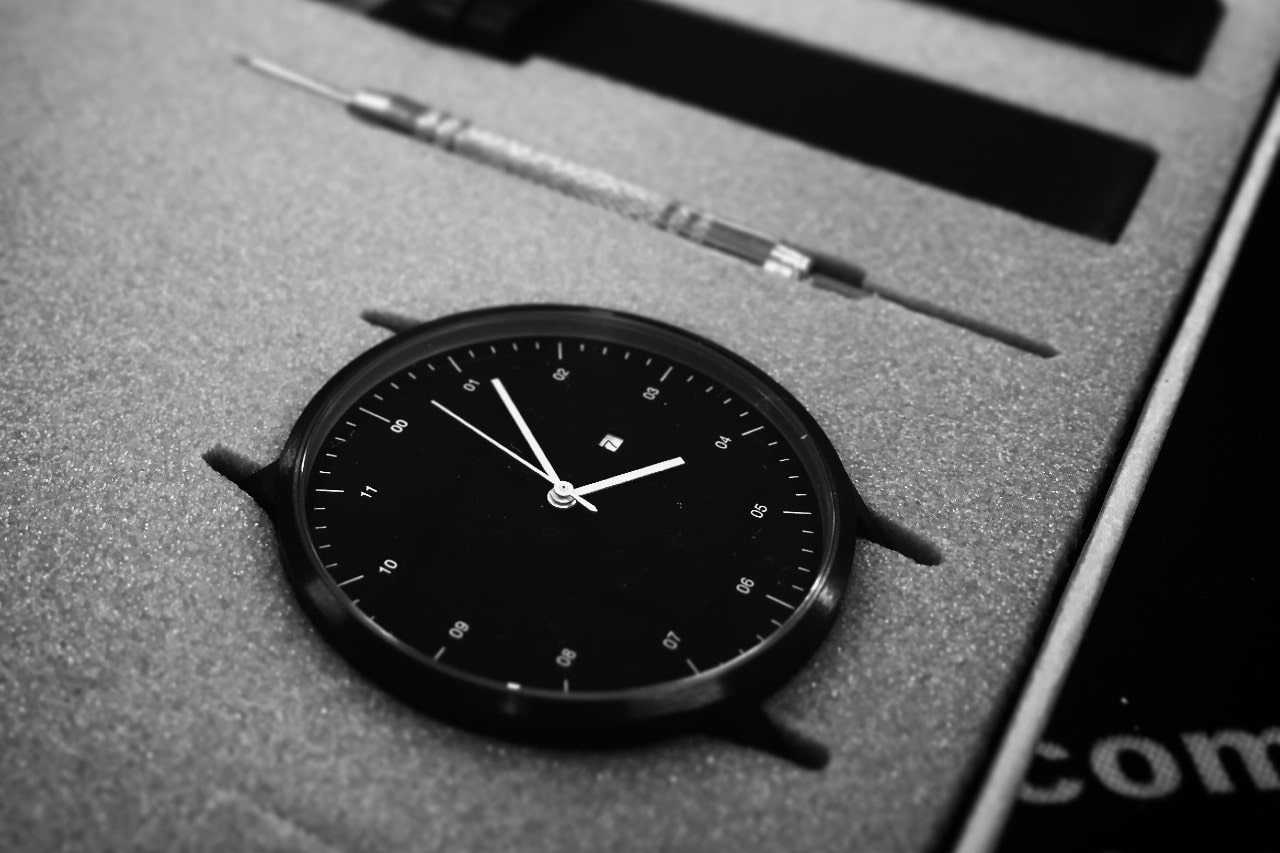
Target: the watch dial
pixel 568 509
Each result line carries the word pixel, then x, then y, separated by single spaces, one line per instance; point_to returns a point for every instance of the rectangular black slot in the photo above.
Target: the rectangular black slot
pixel 1171 34
pixel 1042 167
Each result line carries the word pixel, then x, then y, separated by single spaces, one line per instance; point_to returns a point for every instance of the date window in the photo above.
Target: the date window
pixel 611 442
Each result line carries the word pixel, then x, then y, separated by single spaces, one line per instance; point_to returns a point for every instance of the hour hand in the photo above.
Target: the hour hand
pixel 561 490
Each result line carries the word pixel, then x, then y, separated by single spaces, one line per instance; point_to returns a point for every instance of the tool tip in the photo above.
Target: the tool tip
pixel 279 72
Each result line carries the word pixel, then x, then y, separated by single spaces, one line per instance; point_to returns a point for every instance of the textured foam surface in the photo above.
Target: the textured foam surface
pixel 185 249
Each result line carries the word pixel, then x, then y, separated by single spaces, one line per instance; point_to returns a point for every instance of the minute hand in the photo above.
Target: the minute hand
pixel 619 479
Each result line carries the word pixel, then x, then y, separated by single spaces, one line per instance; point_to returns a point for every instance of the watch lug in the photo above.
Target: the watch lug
pixel 389 320
pixel 888 533
pixel 259 482
pixel 755 727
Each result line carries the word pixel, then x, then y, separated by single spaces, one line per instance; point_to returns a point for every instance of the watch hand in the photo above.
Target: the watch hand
pixel 564 494
pixel 547 468
pixel 543 474
pixel 494 442
pixel 619 479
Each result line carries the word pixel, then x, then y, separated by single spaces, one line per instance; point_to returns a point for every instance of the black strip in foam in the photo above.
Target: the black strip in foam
pixel 1042 167
pixel 1171 34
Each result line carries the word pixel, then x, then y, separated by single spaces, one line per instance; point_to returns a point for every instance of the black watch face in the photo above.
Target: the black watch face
pixel 546 508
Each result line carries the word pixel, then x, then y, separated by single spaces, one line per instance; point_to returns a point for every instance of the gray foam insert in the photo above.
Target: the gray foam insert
pixel 184 255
